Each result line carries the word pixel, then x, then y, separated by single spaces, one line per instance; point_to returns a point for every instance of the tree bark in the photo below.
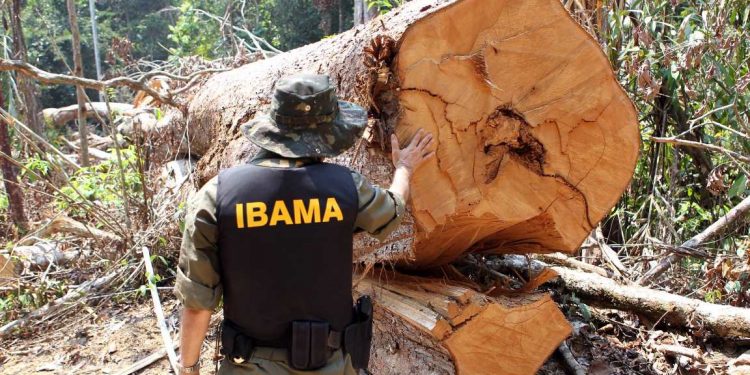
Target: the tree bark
pixel 30 95
pixel 725 321
pixel 536 140
pixel 10 176
pixel 78 72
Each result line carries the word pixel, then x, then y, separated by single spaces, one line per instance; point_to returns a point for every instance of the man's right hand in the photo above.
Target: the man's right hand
pixel 408 159
pixel 415 154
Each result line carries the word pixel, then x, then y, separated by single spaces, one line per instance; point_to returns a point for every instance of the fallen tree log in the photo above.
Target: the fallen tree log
pixel 536 140
pixel 434 326
pixel 725 321
pixel 64 115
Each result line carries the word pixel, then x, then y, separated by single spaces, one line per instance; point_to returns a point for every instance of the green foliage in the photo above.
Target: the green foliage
pixel 4 202
pixel 686 64
pixel 286 24
pixel 193 34
pixel 293 23
pixel 101 183
pixel 383 6
pixel 35 166
pixel 29 298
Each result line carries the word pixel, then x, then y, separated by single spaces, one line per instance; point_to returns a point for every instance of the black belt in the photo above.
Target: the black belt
pixel 335 341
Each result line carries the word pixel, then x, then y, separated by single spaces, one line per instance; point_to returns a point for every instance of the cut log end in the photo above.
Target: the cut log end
pixel 453 329
pixel 536 139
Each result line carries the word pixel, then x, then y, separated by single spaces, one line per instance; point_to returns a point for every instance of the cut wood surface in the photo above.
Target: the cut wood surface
pixel 413 334
pixel 535 138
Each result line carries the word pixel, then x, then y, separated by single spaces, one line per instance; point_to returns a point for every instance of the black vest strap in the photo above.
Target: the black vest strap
pixel 285 247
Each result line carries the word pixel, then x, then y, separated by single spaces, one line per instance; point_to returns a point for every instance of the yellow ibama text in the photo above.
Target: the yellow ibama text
pixel 256 214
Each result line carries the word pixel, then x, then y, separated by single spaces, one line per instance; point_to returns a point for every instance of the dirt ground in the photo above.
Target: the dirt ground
pixel 105 341
pixel 111 338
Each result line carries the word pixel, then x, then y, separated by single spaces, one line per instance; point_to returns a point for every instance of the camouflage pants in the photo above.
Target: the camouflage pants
pixel 274 362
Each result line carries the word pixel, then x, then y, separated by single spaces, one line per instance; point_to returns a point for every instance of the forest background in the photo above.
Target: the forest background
pixel 685 65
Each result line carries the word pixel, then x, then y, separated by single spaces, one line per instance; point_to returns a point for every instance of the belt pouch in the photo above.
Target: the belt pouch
pixel 299 353
pixel 319 351
pixel 309 349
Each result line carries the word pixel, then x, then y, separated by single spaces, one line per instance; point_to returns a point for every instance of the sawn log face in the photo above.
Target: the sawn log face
pixel 536 139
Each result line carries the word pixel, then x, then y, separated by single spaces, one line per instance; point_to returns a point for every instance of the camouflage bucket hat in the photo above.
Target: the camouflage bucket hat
pixel 307 120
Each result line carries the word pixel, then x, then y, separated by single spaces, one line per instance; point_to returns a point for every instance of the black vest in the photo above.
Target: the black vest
pixel 285 247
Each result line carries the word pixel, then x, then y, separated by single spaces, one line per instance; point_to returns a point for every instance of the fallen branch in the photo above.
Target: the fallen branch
pixel 724 321
pixel 168 343
pixel 570 359
pixel 93 151
pixel 714 229
pixel 564 260
pixel 677 350
pixel 139 84
pixel 705 146
pixel 41 255
pixel 608 254
pixel 145 362
pixel 64 115
pixel 64 224
pixel 54 306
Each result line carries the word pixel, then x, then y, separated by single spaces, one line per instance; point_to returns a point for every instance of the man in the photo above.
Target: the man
pixel 274 238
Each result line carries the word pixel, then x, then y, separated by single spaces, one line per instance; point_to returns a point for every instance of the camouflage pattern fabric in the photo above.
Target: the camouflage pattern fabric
pixel 307 120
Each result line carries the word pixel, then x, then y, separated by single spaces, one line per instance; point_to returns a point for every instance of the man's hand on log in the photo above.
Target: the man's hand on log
pixel 408 159
pixel 415 154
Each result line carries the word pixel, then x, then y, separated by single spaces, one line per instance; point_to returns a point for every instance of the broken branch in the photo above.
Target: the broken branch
pixel 714 229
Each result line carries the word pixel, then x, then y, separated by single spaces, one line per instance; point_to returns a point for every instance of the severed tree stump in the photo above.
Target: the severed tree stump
pixel 536 141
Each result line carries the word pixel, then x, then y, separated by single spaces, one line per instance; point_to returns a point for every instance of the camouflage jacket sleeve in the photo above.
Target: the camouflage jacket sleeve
pixel 380 210
pixel 198 284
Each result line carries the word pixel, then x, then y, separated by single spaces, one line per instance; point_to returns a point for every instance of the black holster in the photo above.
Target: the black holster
pixel 235 345
pixel 358 335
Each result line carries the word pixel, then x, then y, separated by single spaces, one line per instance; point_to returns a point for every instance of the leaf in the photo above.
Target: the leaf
pixel 585 312
pixel 738 187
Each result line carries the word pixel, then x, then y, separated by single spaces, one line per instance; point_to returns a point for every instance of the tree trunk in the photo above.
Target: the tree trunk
pixel 536 140
pixel 435 326
pixel 78 72
pixel 363 13
pixel 359 12
pixel 95 38
pixel 30 95
pixel 10 176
